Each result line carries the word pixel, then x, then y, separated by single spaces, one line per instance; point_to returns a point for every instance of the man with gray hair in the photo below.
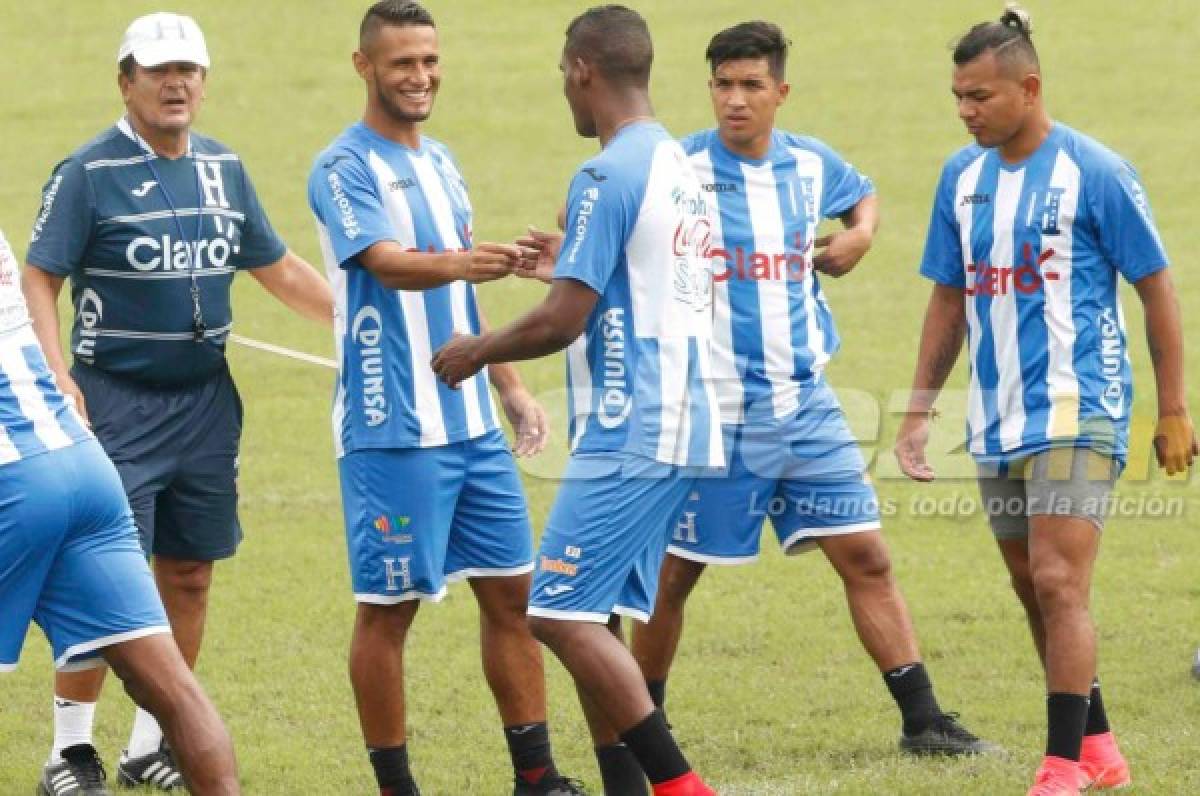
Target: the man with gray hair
pixel 151 222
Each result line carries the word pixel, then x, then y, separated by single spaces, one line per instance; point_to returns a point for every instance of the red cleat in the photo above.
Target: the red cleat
pixel 1058 776
pixel 1102 762
pixel 689 784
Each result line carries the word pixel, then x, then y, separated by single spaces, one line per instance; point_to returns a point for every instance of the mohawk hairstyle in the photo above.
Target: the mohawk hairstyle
pixel 1010 38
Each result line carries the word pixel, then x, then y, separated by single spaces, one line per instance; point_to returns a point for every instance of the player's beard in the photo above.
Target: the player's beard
pixel 397 113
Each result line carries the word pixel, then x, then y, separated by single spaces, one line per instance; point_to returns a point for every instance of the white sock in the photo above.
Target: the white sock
pixel 72 725
pixel 146 735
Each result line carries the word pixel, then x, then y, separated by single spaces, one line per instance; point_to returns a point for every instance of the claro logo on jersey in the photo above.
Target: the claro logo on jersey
pixel 984 279
pixel 367 333
pixel 349 221
pixel 147 254
pixel 615 401
pixel 1113 397
pixel 91 310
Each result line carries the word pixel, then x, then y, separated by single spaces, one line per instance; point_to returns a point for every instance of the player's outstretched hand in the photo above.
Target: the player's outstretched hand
pixel 837 254
pixel 1175 444
pixel 539 252
pixel 528 420
pixel 456 361
pixel 911 440
pixel 488 261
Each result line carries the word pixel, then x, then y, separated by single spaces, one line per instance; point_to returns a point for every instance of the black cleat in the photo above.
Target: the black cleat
pixel 945 736
pixel 79 774
pixel 1196 665
pixel 157 769
pixel 549 786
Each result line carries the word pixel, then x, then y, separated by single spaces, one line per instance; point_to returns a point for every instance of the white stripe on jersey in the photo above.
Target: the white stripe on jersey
pixel 580 375
pixel 809 164
pixel 337 283
pixel 1062 384
pixel 976 415
pixel 766 224
pixel 730 393
pixel 657 311
pixel 443 218
pixel 23 383
pixel 1010 389
pixel 426 402
pixel 716 456
pixel 674 416
pixel 114 162
pixel 470 387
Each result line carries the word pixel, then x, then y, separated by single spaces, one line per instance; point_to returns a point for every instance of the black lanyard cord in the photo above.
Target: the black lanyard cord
pixel 191 246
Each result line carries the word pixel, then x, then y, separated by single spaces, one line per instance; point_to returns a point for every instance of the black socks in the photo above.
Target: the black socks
pixel 620 772
pixel 913 692
pixel 655 749
pixel 529 746
pixel 1066 716
pixel 1097 719
pixel 392 772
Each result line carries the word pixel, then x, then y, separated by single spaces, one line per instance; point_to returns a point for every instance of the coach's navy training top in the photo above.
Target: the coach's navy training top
pixel 108 223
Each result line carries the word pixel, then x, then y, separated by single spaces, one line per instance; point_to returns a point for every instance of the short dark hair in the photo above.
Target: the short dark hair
pixel 1010 38
pixel 757 39
pixel 398 13
pixel 127 66
pixel 615 40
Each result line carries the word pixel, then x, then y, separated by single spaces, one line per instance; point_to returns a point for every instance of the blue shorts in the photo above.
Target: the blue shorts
pixel 419 517
pixel 176 449
pixel 606 537
pixel 806 473
pixel 70 558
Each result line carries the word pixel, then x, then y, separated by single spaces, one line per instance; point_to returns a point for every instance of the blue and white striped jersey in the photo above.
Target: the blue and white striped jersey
pixel 364 189
pixel 107 222
pixel 34 415
pixel 1037 247
pixel 774 331
pixel 639 377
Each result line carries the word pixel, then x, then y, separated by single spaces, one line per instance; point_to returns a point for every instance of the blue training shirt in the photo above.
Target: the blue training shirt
pixel 363 189
pixel 1036 247
pixel 638 231
pixel 106 222
pixel 774 331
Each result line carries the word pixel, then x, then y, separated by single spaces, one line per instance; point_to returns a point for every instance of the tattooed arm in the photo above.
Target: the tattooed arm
pixel 941 340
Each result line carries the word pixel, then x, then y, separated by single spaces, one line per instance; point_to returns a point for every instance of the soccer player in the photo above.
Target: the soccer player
pixel 430 489
pixel 631 299
pixel 786 440
pixel 151 222
pixel 70 560
pixel 1031 227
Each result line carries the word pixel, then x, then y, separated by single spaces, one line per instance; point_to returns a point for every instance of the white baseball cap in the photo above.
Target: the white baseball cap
pixel 164 38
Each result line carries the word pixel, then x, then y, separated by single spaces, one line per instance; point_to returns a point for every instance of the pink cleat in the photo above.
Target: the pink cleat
pixel 1102 762
pixel 1058 776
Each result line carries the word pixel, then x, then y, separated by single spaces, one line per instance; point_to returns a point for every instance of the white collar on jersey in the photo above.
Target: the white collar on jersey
pixel 125 127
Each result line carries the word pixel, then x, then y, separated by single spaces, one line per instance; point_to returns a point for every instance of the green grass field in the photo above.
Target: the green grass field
pixel 772 693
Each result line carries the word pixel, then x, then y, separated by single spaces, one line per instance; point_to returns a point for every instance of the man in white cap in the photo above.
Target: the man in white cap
pixel 151 222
